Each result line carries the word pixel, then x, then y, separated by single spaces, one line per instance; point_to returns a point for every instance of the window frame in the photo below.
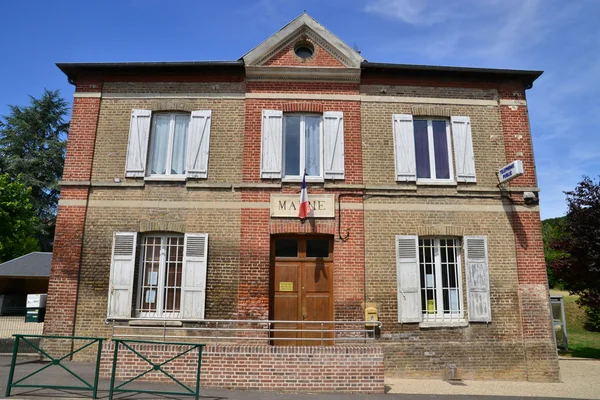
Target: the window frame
pixel 432 172
pixel 439 316
pixel 161 284
pixel 169 161
pixel 298 178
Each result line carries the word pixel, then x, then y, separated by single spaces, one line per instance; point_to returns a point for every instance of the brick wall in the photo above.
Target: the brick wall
pixel 351 369
pixel 68 239
pixel 287 57
pixel 540 351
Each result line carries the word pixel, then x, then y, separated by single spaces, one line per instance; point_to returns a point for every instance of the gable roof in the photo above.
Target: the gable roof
pixel 303 25
pixel 32 265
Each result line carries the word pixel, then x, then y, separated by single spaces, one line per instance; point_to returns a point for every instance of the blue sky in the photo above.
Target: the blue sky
pixel 557 36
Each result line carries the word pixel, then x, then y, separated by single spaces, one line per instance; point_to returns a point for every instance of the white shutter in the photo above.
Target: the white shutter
pixel 407 275
pixel 198 144
pixel 193 286
pixel 271 144
pixel 478 280
pixel 463 149
pixel 122 267
pixel 404 148
pixel 333 144
pixel 137 149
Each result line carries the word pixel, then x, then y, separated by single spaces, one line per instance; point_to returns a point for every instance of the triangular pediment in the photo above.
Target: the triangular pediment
pixel 333 51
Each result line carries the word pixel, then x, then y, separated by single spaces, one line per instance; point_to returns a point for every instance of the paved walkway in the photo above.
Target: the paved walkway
pixel 581 380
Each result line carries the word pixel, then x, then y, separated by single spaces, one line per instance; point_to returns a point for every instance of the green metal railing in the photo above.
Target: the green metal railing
pixel 188 391
pixel 93 387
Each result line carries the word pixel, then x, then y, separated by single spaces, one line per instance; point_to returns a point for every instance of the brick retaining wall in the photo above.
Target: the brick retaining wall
pixel 351 369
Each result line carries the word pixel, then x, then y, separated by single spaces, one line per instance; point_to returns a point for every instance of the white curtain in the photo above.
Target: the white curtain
pixel 179 141
pixel 313 154
pixel 159 145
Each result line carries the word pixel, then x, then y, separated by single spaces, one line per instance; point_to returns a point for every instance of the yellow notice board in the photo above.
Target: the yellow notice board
pixel 286 286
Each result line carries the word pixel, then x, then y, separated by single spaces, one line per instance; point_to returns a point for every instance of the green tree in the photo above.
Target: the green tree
pixel 32 145
pixel 552 230
pixel 18 221
pixel 579 264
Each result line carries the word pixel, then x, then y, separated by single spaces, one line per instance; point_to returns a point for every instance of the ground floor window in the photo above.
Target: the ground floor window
pixel 160 273
pixel 440 274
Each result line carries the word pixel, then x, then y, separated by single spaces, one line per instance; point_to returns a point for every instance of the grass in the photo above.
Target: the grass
pixel 582 343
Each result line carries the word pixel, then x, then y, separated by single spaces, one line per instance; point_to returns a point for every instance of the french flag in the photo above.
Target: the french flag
pixel 304 207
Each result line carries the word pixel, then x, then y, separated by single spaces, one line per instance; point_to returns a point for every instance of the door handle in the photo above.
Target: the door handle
pixel 304 317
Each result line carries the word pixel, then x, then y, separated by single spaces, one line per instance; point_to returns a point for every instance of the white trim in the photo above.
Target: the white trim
pixel 505 102
pixel 158 178
pixel 89 95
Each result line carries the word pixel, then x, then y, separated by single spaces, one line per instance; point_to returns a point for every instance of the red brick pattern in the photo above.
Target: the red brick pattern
pixel 287 57
pixel 66 258
pixel 517 141
pixel 352 369
pixel 82 134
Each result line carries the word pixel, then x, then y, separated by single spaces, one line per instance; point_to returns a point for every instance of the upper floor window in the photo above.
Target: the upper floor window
pixel 168 140
pixel 302 146
pixel 432 149
pixel 294 143
pixel 423 149
pixel 168 145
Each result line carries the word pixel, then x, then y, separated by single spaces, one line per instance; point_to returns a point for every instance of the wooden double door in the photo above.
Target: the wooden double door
pixel 302 289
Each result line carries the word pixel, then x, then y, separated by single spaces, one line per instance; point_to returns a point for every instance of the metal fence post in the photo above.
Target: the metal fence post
pixel 114 370
pixel 198 372
pixel 11 374
pixel 98 360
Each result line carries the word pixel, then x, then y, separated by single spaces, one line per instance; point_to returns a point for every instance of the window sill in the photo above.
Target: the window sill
pixel 165 178
pixel 454 324
pixel 299 180
pixel 436 183
pixel 150 322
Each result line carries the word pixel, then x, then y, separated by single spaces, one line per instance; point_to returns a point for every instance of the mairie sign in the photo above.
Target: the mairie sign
pixel 287 206
pixel 511 171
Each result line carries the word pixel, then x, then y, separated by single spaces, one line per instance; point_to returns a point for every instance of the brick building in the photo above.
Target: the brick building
pixel 180 193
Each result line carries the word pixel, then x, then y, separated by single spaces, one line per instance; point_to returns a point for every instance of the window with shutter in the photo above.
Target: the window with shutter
pixel 478 280
pixel 122 268
pixel 160 276
pixel 302 144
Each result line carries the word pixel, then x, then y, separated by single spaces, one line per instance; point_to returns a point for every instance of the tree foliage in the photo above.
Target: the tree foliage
pixel 32 145
pixel 17 219
pixel 579 264
pixel 552 230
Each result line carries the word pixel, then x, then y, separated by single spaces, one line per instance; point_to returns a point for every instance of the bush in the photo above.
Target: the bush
pixel 593 319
